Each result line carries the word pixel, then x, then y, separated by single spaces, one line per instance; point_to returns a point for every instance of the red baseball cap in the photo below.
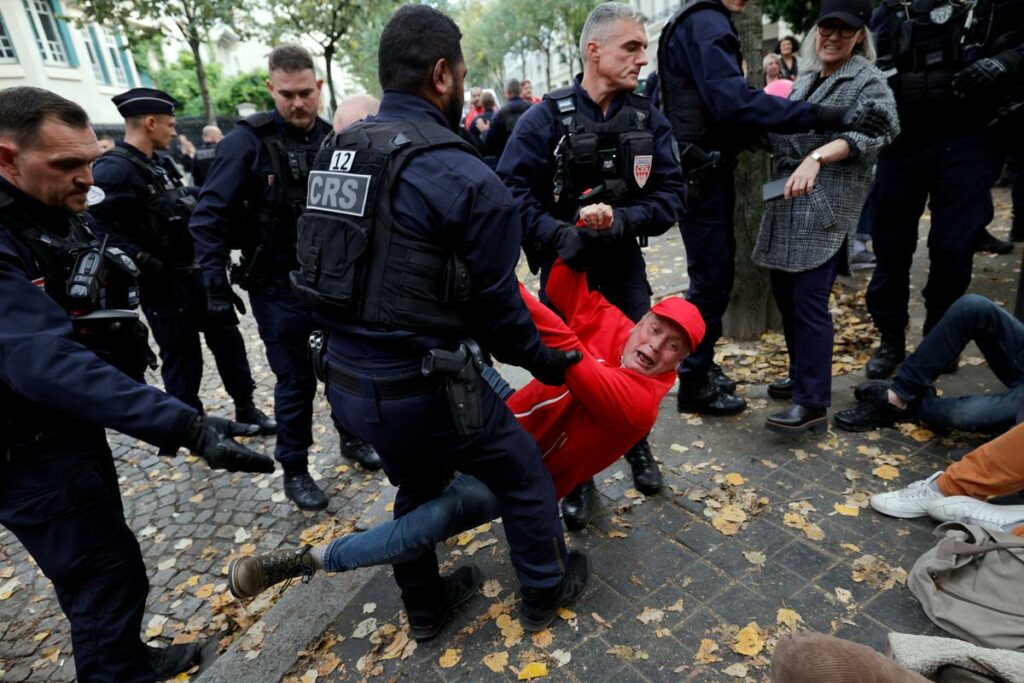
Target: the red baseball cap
pixel 682 313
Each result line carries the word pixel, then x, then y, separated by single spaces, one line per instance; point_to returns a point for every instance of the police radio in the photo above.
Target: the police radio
pixel 84 283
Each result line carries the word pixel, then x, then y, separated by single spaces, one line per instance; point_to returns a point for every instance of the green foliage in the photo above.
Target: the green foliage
pixel 250 87
pixel 179 80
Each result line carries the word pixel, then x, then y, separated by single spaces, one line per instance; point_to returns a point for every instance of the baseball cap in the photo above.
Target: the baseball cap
pixel 854 13
pixel 682 313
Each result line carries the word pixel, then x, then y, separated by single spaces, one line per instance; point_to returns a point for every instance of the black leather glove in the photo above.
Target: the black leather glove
pixel 149 264
pixel 863 117
pixel 221 302
pixel 210 439
pixel 986 72
pixel 571 246
pixel 553 365
pixel 613 232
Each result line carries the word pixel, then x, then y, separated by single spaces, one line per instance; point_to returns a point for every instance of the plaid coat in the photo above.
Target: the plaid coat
pixel 802 233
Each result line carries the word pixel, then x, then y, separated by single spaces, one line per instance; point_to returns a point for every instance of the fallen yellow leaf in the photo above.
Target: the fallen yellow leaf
pixel 846 510
pixel 496 661
pixel 887 472
pixel 724 526
pixel 787 617
pixel 543 638
pixel 450 658
pixel 566 614
pixel 706 652
pixel 749 641
pixel 735 479
pixel 533 670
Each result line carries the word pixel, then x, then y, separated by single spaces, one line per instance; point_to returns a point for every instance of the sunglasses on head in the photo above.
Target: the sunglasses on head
pixel 827 28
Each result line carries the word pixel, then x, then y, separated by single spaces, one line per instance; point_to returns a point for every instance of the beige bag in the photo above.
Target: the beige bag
pixel 971 584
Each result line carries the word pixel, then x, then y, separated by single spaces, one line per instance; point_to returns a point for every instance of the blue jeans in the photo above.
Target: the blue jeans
pixel 999 336
pixel 466 503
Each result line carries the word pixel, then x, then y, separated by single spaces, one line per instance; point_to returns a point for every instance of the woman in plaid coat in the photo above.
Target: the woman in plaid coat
pixel 805 237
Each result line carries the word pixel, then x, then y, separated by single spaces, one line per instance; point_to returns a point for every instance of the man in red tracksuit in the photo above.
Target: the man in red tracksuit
pixel 609 401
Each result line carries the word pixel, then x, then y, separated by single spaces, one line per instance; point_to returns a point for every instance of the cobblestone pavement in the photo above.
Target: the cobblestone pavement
pixel 746 526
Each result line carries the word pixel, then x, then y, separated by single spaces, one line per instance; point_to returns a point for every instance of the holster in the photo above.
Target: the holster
pixel 699 166
pixel 460 371
pixel 242 273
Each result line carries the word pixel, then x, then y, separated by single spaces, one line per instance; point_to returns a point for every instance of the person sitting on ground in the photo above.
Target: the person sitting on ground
pixel 611 398
pixel 958 494
pixel 910 395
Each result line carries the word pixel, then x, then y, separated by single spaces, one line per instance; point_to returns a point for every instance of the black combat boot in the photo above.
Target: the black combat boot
pixel 707 398
pixel 251 575
pixel 459 587
pixel 796 419
pixel 248 413
pixel 540 605
pixel 303 491
pixel 578 506
pixel 781 389
pixel 646 475
pixel 873 410
pixel 889 355
pixel 360 451
pixel 990 244
pixel 721 380
pixel 168 662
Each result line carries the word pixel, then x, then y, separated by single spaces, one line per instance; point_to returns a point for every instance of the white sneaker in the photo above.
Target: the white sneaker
pixel 914 501
pixel 967 510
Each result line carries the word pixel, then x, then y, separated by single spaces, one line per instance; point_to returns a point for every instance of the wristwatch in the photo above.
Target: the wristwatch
pixel 816 156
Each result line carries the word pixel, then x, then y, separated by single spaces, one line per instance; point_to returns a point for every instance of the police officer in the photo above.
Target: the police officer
pixel 494 134
pixel 952 57
pixel 141 203
pixel 595 141
pixel 253 195
pixel 715 113
pixel 64 310
pixel 204 155
pixel 441 269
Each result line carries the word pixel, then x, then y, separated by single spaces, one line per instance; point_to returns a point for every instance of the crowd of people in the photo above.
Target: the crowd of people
pixel 379 253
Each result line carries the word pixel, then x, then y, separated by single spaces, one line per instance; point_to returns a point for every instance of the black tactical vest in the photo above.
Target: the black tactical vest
pixel 270 215
pixel 610 162
pixel 357 263
pixel 163 228
pixel 681 101
pixel 202 162
pixel 95 284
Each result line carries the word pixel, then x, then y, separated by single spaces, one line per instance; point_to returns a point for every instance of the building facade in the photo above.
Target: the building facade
pixel 41 45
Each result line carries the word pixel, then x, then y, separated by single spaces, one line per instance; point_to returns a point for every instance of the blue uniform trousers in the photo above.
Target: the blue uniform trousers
pixel 284 326
pixel 952 174
pixel 421 451
pixel 707 230
pixel 181 356
pixel 621 277
pixel 803 301
pixel 60 497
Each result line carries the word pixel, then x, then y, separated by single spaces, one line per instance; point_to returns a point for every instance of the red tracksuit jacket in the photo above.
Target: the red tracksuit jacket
pixel 603 409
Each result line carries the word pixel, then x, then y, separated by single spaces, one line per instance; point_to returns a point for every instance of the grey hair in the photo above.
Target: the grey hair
pixel 602 18
pixel 809 60
pixel 770 57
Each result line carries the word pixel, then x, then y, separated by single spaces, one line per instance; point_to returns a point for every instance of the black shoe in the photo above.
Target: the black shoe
pixel 795 419
pixel 708 399
pixel 872 412
pixel 782 389
pixel 168 662
pixel 250 414
pixel 720 379
pixel 303 491
pixel 989 243
pixel 889 355
pixel 459 586
pixel 867 391
pixel 578 506
pixel 251 575
pixel 646 476
pixel 540 605
pixel 361 452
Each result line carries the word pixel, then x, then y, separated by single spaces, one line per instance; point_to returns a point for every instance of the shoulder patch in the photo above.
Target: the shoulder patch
pixel 95 195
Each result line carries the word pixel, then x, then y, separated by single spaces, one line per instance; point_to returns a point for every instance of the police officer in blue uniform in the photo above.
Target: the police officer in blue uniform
pixel 408 250
pixel 956 58
pixel 498 128
pixel 65 300
pixel 204 156
pixel 715 114
pixel 140 202
pixel 596 141
pixel 254 193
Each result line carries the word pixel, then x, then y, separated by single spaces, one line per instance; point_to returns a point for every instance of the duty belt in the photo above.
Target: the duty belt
pixel 386 388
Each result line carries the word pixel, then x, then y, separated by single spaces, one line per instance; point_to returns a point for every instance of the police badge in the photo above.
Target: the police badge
pixel 642 169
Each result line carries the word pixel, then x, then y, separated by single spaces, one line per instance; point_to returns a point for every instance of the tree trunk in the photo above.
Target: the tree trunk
pixel 547 66
pixel 204 86
pixel 751 308
pixel 328 60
